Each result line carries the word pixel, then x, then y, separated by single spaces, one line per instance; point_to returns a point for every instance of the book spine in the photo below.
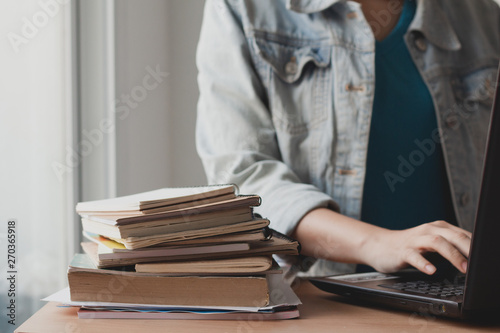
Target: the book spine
pixel 277 234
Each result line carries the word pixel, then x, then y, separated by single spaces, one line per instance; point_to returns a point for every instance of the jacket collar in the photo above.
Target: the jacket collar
pixel 309 6
pixel 430 20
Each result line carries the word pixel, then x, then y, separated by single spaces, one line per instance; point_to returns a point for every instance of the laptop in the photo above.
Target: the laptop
pixel 448 293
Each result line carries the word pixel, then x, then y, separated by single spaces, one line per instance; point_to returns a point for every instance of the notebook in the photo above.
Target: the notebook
pixel 471 296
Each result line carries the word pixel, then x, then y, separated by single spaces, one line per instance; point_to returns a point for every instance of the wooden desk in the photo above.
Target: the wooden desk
pixel 320 312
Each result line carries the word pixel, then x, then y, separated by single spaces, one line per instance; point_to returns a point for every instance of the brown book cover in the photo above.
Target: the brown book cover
pixel 236 237
pixel 170 225
pixel 192 213
pixel 244 265
pixel 145 241
pixel 88 284
pixel 141 202
pixel 278 244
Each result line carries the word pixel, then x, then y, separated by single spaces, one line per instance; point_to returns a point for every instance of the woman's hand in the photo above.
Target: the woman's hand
pixel 391 250
pixel 329 235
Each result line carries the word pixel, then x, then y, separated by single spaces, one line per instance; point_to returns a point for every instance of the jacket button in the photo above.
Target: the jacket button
pixel 351 87
pixel 421 44
pixel 291 66
pixel 451 122
pixel 352 15
pixel 347 172
pixel 464 199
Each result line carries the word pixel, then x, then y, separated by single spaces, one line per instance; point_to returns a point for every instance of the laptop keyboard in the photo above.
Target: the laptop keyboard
pixel 437 289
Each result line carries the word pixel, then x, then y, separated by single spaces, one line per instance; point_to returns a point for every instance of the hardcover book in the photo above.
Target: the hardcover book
pixel 87 283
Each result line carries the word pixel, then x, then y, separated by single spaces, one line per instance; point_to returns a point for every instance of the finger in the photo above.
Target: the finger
pixel 446 225
pixel 442 246
pixel 458 239
pixel 415 259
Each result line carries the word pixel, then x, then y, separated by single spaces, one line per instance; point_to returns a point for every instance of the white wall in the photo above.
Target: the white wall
pixel 95 77
pixel 155 141
pixel 185 23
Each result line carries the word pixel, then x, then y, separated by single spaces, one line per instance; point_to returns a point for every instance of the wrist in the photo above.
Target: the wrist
pixel 371 248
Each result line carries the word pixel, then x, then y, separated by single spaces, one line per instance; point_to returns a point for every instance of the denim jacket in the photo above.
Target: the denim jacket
pixel 286 93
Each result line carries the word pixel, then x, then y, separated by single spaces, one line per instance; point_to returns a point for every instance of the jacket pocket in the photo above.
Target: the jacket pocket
pixel 476 90
pixel 474 93
pixel 298 80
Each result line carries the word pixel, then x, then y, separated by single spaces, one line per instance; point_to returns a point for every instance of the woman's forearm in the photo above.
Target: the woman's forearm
pixel 329 235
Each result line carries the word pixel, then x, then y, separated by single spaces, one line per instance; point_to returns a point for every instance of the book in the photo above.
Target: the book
pixel 188 214
pixel 109 249
pixel 244 265
pixel 278 244
pixel 185 267
pixel 142 202
pixel 277 314
pixel 237 237
pixel 145 241
pixel 280 295
pixel 164 209
pixel 173 224
pixel 88 284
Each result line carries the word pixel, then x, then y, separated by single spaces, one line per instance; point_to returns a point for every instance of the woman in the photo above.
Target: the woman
pixel 361 124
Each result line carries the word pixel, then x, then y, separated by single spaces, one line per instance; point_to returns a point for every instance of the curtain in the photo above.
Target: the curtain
pixel 35 176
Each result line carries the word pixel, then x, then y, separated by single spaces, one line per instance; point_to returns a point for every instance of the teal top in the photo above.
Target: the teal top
pixel 406 183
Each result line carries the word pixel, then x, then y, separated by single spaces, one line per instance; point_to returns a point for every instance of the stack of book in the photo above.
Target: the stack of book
pixel 195 249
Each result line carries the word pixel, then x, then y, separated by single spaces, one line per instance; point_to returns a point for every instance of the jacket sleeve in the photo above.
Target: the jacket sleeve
pixel 235 135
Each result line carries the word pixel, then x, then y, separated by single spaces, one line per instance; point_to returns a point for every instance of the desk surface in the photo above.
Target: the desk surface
pixel 320 312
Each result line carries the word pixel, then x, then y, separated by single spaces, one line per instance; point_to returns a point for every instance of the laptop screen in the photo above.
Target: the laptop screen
pixel 482 289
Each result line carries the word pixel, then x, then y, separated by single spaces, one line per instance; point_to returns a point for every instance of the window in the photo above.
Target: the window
pixel 37 179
